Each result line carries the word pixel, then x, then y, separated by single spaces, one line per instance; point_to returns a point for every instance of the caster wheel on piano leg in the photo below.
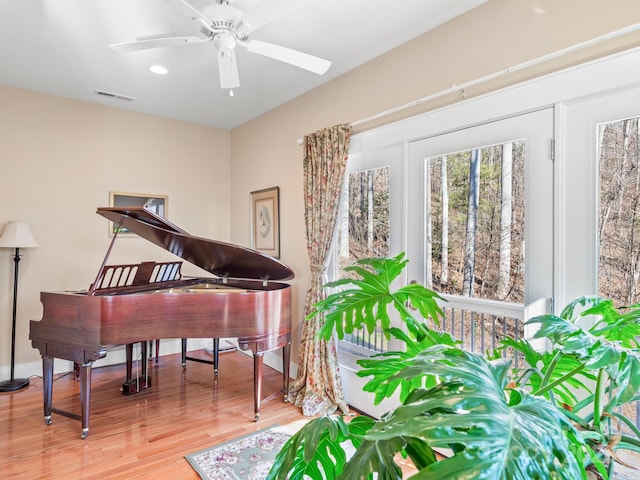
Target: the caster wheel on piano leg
pixel 257 417
pixel 85 433
pixel 47 420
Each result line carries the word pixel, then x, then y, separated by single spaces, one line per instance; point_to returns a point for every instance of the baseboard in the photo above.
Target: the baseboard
pixel 117 356
pixel 272 359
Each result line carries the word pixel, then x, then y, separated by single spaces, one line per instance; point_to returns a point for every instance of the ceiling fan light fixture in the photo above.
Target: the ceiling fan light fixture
pixel 224 42
pixel 158 69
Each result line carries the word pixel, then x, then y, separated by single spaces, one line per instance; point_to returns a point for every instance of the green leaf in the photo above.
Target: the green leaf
pixel 365 304
pixel 459 400
pixel 595 350
pixel 375 457
pixel 626 379
pixel 557 329
pixel 420 453
pixel 552 366
pixel 517 436
pixel 381 368
pixel 317 449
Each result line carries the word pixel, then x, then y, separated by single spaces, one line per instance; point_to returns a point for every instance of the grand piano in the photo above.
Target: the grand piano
pixel 136 303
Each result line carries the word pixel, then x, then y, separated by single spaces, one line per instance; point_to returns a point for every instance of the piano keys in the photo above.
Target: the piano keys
pixel 244 299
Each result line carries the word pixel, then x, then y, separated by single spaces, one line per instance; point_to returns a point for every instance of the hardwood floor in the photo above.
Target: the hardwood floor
pixel 143 436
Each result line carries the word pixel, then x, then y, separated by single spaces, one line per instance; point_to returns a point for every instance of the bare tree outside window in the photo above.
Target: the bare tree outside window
pixel 619 212
pixel 619 218
pixel 364 232
pixel 475 216
pixel 364 229
pixel 476 220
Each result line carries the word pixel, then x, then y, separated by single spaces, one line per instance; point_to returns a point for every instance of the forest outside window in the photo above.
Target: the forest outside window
pixel 474 241
pixel 619 212
pixel 364 231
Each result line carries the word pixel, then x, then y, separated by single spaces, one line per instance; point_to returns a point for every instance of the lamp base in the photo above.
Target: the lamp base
pixel 13 385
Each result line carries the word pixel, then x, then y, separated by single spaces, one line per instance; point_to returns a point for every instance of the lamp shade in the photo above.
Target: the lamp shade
pixel 18 235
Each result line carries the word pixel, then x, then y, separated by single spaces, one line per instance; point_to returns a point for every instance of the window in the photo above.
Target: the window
pixel 619 211
pixel 364 231
pixel 364 223
pixel 414 197
pixel 567 239
pixel 475 222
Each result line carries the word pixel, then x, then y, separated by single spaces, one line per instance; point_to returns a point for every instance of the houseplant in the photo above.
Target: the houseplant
pixel 495 421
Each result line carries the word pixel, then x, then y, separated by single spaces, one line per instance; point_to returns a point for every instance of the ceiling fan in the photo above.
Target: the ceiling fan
pixel 227 26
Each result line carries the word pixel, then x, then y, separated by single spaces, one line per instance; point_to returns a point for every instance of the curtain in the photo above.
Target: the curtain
pixel 318 388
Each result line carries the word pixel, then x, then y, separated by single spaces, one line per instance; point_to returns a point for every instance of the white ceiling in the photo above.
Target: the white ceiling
pixel 60 47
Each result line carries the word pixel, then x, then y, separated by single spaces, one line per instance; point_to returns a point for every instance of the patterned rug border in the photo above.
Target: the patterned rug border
pixel 288 430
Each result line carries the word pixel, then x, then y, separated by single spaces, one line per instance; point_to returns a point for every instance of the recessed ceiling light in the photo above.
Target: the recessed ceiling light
pixel 158 69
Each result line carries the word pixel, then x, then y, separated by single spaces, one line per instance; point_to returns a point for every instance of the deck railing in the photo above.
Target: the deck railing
pixel 478 324
pixel 481 324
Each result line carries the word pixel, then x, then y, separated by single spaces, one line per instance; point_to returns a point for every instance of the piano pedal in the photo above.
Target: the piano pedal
pixel 136 385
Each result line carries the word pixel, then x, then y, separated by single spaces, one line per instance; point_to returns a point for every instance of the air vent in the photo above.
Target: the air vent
pixel 116 96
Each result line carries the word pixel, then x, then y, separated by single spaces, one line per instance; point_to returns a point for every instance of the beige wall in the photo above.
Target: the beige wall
pixel 60 158
pixel 58 161
pixel 491 38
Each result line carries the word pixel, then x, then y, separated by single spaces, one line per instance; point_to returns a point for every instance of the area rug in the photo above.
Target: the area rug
pixel 249 457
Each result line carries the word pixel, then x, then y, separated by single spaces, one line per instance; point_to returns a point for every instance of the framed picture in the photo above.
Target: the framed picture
pixel 152 202
pixel 265 221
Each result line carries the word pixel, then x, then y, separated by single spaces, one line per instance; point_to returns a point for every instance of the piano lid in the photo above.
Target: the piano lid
pixel 219 258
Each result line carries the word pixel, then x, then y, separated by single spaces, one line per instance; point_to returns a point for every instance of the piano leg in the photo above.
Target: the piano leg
pixel 258 362
pixel 47 384
pixel 286 359
pixel 84 372
pixel 85 397
pixel 216 351
pixel 145 366
pixel 150 349
pixel 129 361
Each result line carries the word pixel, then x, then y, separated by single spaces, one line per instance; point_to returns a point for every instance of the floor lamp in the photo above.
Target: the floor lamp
pixel 16 235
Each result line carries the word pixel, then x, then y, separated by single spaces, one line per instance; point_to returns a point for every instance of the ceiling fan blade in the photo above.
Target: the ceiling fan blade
pixel 228 69
pixel 156 42
pixel 197 12
pixel 269 10
pixel 287 55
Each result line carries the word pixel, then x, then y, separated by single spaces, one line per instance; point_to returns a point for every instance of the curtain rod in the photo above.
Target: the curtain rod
pixel 521 66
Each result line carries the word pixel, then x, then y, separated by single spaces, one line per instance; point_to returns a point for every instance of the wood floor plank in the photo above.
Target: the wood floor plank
pixel 143 436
